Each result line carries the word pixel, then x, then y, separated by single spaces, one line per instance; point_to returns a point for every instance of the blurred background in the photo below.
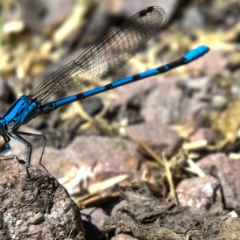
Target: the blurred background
pixel 186 113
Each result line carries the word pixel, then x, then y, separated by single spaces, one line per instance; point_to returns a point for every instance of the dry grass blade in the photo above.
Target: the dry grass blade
pixel 96 200
pixel 151 152
pixel 195 145
pixel 66 179
pixel 170 179
pixel 194 168
pixel 163 162
pixel 98 188
pixel 73 23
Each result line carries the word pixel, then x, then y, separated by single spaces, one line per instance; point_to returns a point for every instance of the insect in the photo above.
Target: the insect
pixel 97 62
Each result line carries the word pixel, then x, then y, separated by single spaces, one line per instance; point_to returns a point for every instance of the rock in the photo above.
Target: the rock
pixel 168 103
pixel 135 92
pixel 160 138
pixel 93 222
pixel 163 104
pixel 37 207
pixel 203 134
pixel 120 205
pixel 91 159
pixel 191 112
pixel 227 173
pixel 200 194
pixel 198 88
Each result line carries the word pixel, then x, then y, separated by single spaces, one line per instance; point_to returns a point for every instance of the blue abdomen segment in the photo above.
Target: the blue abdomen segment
pixel 64 101
pixel 149 73
pixel 94 91
pixel 195 53
pixel 188 57
pixel 121 82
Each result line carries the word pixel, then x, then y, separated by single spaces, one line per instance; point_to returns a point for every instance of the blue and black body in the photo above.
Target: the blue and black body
pixel 187 58
pixel 95 63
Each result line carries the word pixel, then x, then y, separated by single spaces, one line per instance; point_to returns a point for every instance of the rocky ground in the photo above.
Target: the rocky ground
pixel 156 159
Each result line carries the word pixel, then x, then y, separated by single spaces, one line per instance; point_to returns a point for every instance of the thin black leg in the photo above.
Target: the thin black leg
pixel 28 145
pixel 44 140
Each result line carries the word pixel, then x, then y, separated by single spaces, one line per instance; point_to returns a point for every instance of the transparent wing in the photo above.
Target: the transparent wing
pixel 117 48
